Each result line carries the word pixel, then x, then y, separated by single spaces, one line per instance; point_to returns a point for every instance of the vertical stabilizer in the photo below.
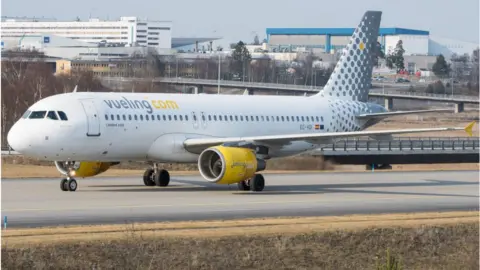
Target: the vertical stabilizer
pixel 352 76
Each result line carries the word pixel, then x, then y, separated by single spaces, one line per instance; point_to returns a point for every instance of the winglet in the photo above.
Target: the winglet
pixel 469 128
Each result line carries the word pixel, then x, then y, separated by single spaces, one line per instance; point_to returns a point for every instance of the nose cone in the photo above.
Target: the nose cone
pixel 16 138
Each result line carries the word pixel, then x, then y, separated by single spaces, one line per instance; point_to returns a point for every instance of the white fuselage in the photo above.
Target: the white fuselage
pixel 151 126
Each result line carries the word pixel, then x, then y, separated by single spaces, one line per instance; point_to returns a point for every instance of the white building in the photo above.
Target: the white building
pixel 130 31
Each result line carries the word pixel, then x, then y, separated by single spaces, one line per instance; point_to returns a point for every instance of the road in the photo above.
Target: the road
pixel 40 202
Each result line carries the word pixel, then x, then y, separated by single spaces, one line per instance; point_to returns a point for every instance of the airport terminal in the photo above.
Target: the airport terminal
pixel 236 174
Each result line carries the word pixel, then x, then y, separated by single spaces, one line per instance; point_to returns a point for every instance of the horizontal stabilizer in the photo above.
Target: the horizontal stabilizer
pixel 388 114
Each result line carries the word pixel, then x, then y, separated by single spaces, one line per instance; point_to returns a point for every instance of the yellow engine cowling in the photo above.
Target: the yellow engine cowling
pixel 83 168
pixel 228 165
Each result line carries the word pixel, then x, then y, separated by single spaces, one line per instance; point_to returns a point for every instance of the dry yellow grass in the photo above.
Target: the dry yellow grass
pixel 204 229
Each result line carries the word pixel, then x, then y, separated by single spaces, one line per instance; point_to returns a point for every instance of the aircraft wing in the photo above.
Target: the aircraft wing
pixel 388 114
pixel 202 143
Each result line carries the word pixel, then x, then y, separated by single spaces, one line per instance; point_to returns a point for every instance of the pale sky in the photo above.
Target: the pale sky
pixel 239 20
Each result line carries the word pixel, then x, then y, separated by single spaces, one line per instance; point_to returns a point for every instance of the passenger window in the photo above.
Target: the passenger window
pixel 257 118
pixel 52 115
pixel 130 117
pixel 158 117
pixel 220 118
pixel 303 119
pixel 136 118
pixel 186 117
pixel 263 119
pixel 175 117
pixel 209 117
pixel 169 118
pixel 106 116
pixel 241 117
pixel 236 117
pixel 118 117
pixel 124 117
pixel 25 115
pixel 164 118
pixel 146 117
pixel 316 118
pixel 141 117
pixel 215 118
pixel 298 119
pixel 37 115
pixel 231 118
pixel 181 117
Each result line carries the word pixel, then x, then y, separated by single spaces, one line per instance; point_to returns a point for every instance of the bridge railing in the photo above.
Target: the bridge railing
pixel 422 94
pixel 404 144
pixel 242 84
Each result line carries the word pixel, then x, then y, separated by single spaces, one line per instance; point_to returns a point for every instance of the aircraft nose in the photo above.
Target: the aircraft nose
pixel 16 139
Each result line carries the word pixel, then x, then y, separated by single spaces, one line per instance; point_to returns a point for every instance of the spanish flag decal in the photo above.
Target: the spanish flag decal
pixel 317 126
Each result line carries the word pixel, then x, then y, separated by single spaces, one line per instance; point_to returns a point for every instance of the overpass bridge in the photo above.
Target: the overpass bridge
pixel 401 91
pixel 402 150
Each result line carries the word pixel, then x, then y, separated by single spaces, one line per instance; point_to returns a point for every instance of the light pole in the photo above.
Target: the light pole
pixel 219 62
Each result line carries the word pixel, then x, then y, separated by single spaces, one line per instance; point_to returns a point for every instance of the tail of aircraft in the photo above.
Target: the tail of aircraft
pixel 352 76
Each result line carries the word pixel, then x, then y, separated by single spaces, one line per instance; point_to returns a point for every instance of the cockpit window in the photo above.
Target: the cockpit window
pixel 26 114
pixel 37 115
pixel 62 115
pixel 52 115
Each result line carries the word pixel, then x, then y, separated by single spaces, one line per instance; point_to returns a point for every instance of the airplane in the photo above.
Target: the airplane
pixel 229 137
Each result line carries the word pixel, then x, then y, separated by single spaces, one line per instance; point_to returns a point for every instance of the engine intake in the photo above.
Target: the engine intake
pixel 229 165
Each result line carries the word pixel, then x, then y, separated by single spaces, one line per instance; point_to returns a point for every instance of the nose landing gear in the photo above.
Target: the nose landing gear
pixel 68 184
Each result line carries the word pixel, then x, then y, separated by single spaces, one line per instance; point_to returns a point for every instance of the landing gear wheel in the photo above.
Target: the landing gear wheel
pixel 72 184
pixel 162 178
pixel 148 178
pixel 63 185
pixel 257 183
pixel 244 185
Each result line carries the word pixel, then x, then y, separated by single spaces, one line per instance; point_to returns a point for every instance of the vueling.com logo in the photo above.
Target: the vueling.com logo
pixel 141 104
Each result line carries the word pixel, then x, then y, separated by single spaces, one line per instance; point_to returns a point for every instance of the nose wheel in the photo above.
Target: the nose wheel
pixel 68 184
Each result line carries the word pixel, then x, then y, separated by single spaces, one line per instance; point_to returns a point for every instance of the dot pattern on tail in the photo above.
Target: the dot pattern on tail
pixel 351 78
pixel 344 114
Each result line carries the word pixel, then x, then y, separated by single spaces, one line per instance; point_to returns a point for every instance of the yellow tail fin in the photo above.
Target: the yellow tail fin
pixel 469 128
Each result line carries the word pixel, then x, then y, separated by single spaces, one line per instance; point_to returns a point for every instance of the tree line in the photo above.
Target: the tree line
pixel 28 80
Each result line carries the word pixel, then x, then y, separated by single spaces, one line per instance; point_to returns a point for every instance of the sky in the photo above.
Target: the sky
pixel 241 20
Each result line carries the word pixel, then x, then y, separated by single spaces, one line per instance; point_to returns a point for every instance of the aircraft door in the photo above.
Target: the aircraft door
pixel 195 120
pixel 93 120
pixel 204 120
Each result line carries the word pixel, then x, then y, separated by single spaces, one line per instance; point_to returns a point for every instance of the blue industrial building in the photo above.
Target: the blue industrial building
pixel 333 39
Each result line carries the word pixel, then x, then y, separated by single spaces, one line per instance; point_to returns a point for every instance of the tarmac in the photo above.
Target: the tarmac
pixel 103 200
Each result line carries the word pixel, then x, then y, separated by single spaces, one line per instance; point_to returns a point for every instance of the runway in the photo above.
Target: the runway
pixel 40 202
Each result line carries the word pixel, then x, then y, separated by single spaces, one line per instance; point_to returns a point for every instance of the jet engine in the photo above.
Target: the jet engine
pixel 83 168
pixel 229 165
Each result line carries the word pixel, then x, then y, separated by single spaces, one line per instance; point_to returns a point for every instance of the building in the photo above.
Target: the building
pixel 127 31
pixel 330 40
pixel 420 47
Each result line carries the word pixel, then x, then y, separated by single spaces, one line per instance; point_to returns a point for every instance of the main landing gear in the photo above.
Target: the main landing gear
pixel 156 177
pixel 68 184
pixel 256 183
